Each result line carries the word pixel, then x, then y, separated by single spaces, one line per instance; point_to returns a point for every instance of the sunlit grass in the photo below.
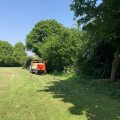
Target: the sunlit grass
pixel 29 97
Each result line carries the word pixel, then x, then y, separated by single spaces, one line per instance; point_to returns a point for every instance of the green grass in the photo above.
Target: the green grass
pixel 26 97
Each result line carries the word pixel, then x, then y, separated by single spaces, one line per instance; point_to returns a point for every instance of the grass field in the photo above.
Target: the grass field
pixel 48 97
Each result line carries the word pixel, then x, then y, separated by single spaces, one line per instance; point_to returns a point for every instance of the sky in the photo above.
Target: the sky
pixel 18 17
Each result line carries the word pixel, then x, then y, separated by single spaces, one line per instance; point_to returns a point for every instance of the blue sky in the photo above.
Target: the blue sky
pixel 18 17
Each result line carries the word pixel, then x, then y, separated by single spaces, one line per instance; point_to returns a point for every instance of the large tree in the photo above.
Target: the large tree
pixel 6 52
pixel 39 33
pixel 102 21
pixel 19 54
pixel 62 51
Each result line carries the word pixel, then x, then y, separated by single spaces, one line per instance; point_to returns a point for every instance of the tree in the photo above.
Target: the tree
pixel 56 44
pixel 39 33
pixel 19 54
pixel 6 52
pixel 102 22
pixel 61 51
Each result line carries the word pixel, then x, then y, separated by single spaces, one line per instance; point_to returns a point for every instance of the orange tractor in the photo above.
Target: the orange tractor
pixel 37 67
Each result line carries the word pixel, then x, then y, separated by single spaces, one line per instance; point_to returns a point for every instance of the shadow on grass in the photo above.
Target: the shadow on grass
pixel 89 97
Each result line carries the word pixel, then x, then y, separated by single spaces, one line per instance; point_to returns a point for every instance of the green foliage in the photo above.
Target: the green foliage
pixel 28 62
pixel 102 22
pixel 12 56
pixel 39 33
pixel 6 52
pixel 19 54
pixel 95 60
pixel 61 51
pixel 56 44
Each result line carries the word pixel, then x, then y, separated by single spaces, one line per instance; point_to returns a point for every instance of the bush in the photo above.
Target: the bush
pixel 96 60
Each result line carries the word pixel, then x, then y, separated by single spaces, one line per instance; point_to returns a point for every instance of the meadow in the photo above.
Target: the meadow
pixel 24 96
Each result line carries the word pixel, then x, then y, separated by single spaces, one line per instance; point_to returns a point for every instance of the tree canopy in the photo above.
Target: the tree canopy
pixel 12 56
pixel 19 54
pixel 6 52
pixel 39 33
pixel 102 22
pixel 61 51
pixel 56 44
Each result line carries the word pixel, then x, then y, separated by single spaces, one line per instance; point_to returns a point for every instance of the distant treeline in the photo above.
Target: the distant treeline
pixel 12 55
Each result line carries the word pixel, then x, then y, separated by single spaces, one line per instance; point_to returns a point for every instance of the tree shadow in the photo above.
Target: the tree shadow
pixel 89 97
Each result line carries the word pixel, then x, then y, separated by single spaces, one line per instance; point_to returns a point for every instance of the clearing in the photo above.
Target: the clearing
pixel 49 97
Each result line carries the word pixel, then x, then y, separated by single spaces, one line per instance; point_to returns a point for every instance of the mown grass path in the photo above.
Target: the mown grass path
pixel 29 97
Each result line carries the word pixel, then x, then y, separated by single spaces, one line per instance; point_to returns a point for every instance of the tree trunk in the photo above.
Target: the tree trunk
pixel 115 65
